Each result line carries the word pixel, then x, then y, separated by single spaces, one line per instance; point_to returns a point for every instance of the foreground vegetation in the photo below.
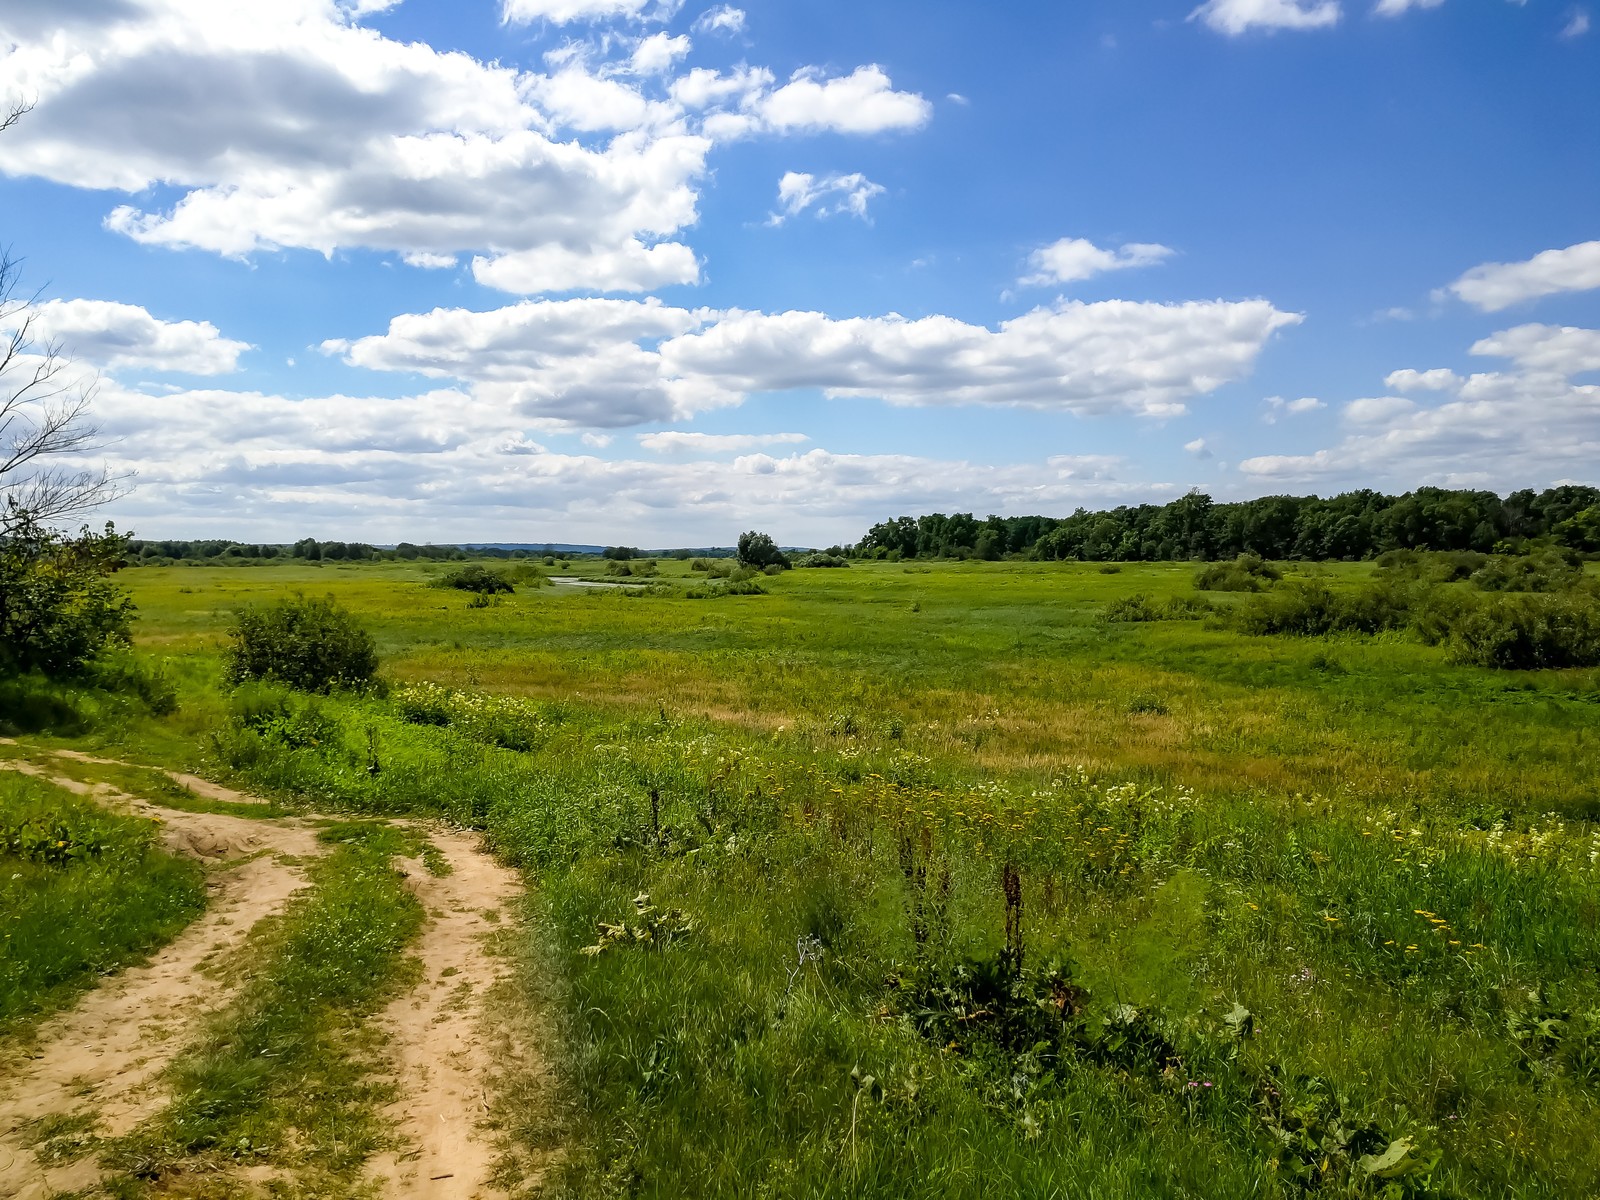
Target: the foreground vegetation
pixel 935 880
pixel 82 892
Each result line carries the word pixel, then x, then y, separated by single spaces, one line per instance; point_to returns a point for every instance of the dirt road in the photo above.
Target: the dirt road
pixel 99 1064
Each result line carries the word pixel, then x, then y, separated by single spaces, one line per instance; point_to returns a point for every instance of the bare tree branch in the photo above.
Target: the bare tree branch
pixel 44 410
pixel 15 113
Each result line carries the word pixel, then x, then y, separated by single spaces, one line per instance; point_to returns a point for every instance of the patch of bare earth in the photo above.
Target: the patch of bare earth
pixel 446 1048
pixel 100 1062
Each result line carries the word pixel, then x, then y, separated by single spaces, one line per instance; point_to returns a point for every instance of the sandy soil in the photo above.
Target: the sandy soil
pixel 442 1052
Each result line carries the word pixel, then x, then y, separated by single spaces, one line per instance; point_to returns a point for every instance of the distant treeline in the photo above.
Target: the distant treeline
pixel 227 552
pixel 1356 525
pixel 309 549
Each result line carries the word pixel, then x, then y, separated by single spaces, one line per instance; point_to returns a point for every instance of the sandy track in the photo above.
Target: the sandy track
pixel 103 1056
pixel 200 787
pixel 436 1033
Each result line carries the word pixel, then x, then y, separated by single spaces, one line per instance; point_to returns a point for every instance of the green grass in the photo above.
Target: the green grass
pixel 289 1076
pixel 1378 854
pixel 83 892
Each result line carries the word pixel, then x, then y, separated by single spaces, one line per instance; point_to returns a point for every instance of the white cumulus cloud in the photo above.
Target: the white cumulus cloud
pixel 677 442
pixel 1071 260
pixel 862 102
pixel 1439 379
pixel 1394 8
pixel 723 19
pixel 1500 429
pixel 1235 17
pixel 1495 286
pixel 612 363
pixel 562 12
pixel 107 335
pixel 289 126
pixel 829 195
pixel 1277 407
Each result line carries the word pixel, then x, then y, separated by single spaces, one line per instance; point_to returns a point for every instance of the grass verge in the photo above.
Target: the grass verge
pixel 83 892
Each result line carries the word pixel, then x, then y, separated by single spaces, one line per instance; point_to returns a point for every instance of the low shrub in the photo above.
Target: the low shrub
pixel 475 577
pixel 1140 607
pixel 1247 573
pixel 314 645
pixel 821 559
pixel 1306 608
pixel 1546 571
pixel 1444 566
pixel 717 589
pixel 1527 632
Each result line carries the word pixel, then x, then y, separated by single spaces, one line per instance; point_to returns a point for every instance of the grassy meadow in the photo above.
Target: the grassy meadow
pixel 925 879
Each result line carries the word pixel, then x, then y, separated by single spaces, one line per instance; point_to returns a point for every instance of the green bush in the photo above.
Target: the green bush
pixel 1306 608
pixel 476 578
pixel 1546 571
pixel 1247 573
pixel 314 645
pixel 1442 566
pixel 1528 632
pixel 819 559
pixel 644 568
pixel 59 609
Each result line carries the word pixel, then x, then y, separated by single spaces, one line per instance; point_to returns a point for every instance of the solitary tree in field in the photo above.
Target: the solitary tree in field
pixel 759 550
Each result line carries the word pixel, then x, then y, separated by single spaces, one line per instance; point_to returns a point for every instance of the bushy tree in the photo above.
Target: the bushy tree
pixel 477 578
pixel 314 645
pixel 758 550
pixel 59 608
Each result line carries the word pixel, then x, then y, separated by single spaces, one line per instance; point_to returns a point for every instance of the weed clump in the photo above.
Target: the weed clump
pixel 1139 608
pixel 313 645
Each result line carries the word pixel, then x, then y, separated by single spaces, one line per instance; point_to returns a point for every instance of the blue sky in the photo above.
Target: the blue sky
pixel 627 270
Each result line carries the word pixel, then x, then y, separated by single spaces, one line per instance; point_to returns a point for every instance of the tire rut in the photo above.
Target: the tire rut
pixel 442 1049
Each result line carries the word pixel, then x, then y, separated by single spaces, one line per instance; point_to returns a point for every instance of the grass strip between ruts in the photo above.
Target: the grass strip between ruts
pixel 289 1077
